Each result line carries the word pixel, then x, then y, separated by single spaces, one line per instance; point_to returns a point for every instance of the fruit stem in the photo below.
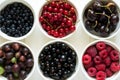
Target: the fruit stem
pixel 96 22
pixel 107 8
pixel 104 15
pixel 48 23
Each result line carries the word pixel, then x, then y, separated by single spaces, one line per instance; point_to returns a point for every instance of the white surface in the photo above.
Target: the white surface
pixel 79 40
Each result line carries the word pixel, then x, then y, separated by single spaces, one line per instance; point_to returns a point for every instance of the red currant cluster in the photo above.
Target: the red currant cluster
pixel 58 18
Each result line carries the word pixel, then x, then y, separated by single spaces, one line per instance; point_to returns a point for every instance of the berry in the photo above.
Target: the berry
pixel 92 51
pixel 108 72
pixel 58 14
pixel 109 48
pixel 115 66
pixel 103 54
pixel 100 75
pixel 100 67
pixel 88 65
pixel 114 55
pixel 86 59
pixel 107 61
pixel 97 59
pixel 92 71
pixel 100 45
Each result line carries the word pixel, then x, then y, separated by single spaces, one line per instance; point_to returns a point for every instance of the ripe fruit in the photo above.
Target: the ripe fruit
pixel 101 12
pixel 57 15
pixel 57 61
pixel 86 59
pixel 101 60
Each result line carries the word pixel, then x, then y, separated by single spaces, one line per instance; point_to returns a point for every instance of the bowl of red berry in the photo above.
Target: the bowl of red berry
pixel 101 60
pixel 58 60
pixel 17 19
pixel 100 19
pixel 16 61
pixel 58 19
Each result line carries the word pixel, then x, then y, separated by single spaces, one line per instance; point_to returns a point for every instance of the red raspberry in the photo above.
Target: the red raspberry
pixel 97 60
pixel 100 45
pixel 92 71
pixel 86 59
pixel 114 55
pixel 108 72
pixel 107 61
pixel 101 67
pixel 109 48
pixel 101 75
pixel 88 65
pixel 115 66
pixel 103 53
pixel 92 51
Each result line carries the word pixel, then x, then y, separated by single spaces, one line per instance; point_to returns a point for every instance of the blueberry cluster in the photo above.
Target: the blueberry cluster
pixel 57 61
pixel 16 19
pixel 16 61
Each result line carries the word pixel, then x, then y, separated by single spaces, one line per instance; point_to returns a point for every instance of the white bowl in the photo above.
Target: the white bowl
pixel 33 68
pixel 93 35
pixel 115 76
pixel 3 5
pixel 76 25
pixel 77 63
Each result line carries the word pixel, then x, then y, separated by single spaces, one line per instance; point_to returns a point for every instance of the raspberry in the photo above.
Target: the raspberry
pixel 115 66
pixel 107 61
pixel 109 48
pixel 92 71
pixel 88 65
pixel 100 75
pixel 92 51
pixel 114 55
pixel 103 53
pixel 101 67
pixel 97 59
pixel 86 59
pixel 108 72
pixel 100 45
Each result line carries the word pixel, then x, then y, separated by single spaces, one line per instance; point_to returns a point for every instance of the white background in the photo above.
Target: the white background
pixel 79 40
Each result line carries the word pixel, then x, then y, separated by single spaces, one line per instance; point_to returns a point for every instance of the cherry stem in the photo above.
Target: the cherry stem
pixel 107 8
pixel 104 15
pixel 96 22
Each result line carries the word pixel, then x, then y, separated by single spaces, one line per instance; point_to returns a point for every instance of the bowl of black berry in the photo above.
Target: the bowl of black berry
pixel 17 19
pixel 16 61
pixel 101 19
pixel 100 60
pixel 58 19
pixel 58 60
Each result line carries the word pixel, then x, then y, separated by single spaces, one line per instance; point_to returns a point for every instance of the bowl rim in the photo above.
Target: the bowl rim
pixel 71 46
pixel 114 33
pixel 24 44
pixel 110 43
pixel 67 36
pixel 3 5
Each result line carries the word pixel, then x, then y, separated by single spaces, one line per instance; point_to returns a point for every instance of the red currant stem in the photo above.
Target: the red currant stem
pixel 57 28
pixel 48 23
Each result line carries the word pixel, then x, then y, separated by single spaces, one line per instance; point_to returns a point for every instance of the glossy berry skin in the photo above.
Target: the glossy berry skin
pixel 14 61
pixel 61 15
pixel 104 15
pixel 16 19
pixel 57 60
